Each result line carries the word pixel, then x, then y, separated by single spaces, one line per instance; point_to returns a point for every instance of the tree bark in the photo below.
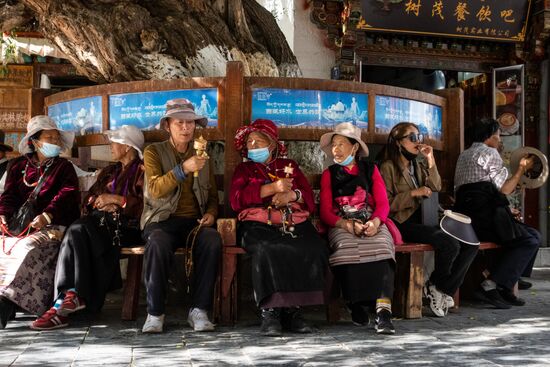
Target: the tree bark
pixel 118 40
pixel 13 16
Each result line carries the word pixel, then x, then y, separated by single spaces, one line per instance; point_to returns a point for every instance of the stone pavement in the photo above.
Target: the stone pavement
pixel 475 335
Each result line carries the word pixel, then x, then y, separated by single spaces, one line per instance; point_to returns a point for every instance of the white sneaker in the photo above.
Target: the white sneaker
pixel 450 301
pixel 153 324
pixel 438 302
pixel 198 320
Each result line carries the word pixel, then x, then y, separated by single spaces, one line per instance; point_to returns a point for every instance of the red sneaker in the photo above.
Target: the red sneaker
pixel 50 320
pixel 71 303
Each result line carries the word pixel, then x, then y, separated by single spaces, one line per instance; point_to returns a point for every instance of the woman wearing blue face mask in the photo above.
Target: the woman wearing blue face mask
pixel 31 243
pixel 274 199
pixel 355 207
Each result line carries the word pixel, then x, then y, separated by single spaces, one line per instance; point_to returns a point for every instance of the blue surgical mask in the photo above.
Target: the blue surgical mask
pixel 345 162
pixel 49 150
pixel 260 155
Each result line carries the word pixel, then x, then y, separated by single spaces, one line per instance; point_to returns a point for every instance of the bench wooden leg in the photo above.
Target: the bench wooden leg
pixel 456 298
pixel 130 301
pixel 229 289
pixel 409 280
pixel 416 282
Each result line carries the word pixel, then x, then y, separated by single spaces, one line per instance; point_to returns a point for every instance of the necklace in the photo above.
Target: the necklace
pixel 34 184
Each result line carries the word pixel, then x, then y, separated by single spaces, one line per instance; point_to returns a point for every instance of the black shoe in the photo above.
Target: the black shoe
pixel 510 297
pixel 271 322
pixel 359 316
pixel 492 297
pixel 292 320
pixel 383 324
pixel 523 285
pixel 7 312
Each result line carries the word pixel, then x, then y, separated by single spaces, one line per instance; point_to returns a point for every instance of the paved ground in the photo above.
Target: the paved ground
pixel 473 336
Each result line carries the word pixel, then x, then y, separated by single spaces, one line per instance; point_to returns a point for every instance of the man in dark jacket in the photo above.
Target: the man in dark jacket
pixel 481 186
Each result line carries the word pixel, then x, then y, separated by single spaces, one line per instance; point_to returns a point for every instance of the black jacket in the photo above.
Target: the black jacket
pixel 490 212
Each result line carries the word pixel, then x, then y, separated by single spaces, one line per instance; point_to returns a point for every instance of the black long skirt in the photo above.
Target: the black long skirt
pixel 89 261
pixel 366 282
pixel 282 264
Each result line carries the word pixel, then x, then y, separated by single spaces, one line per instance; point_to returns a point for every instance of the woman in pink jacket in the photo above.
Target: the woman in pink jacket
pixel 355 207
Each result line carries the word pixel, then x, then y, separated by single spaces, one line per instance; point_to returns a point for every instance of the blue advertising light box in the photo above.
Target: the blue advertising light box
pixel 389 111
pixel 83 115
pixel 309 108
pixel 144 110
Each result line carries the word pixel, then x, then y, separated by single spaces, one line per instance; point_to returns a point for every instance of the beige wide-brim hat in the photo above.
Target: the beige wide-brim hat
pixel 346 129
pixel 128 135
pixel 182 109
pixel 43 122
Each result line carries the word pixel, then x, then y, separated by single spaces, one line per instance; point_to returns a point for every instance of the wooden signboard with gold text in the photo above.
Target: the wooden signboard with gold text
pixel 19 76
pixel 498 20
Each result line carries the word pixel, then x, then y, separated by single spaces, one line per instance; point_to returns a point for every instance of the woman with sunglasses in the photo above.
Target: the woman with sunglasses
pixel 409 180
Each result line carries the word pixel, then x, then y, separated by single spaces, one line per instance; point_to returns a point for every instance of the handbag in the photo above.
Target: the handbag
pixel 274 216
pixel 20 222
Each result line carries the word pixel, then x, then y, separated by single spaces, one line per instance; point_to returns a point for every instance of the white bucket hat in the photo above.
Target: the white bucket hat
pixel 128 135
pixel 348 130
pixel 43 122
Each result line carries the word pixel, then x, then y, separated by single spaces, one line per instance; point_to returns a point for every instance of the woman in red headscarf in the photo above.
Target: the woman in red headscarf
pixel 274 199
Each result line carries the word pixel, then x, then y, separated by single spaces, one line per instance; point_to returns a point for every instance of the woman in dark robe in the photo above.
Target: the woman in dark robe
pixel 88 265
pixel 29 253
pixel 289 258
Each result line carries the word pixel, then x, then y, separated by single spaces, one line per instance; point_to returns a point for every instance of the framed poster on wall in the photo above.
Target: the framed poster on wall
pixel 509 111
pixel 508 99
pixel 389 111
pixel 82 115
pixel 310 108
pixel 144 110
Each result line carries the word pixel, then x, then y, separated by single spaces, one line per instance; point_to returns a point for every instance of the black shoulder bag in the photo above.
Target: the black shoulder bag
pixel 20 221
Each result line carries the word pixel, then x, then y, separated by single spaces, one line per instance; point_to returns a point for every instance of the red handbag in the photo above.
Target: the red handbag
pixel 274 216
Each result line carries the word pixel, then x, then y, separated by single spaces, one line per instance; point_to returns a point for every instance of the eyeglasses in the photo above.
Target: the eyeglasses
pixel 414 138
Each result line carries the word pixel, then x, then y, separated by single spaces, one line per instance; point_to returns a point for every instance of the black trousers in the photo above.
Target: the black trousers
pixel 452 257
pixel 162 240
pixel 516 257
pixel 364 283
pixel 89 262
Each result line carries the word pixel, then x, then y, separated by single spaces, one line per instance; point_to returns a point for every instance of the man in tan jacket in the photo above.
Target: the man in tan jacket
pixel 176 202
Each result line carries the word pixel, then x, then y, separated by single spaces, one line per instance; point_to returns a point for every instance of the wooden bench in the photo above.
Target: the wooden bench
pixel 130 301
pixel 409 280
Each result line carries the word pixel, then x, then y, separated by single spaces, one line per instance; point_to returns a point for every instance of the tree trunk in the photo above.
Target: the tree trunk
pixel 117 40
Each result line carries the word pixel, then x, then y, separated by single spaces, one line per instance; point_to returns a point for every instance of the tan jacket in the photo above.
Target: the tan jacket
pixel 159 206
pixel 399 186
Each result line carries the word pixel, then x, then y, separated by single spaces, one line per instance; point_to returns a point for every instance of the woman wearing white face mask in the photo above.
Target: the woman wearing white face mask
pixel 355 207
pixel 41 198
pixel 88 264
pixel 274 199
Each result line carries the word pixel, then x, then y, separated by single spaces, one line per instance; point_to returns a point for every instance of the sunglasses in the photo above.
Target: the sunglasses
pixel 414 138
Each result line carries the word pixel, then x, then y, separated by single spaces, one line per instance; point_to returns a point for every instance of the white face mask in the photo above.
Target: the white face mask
pixel 346 161
pixel 49 150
